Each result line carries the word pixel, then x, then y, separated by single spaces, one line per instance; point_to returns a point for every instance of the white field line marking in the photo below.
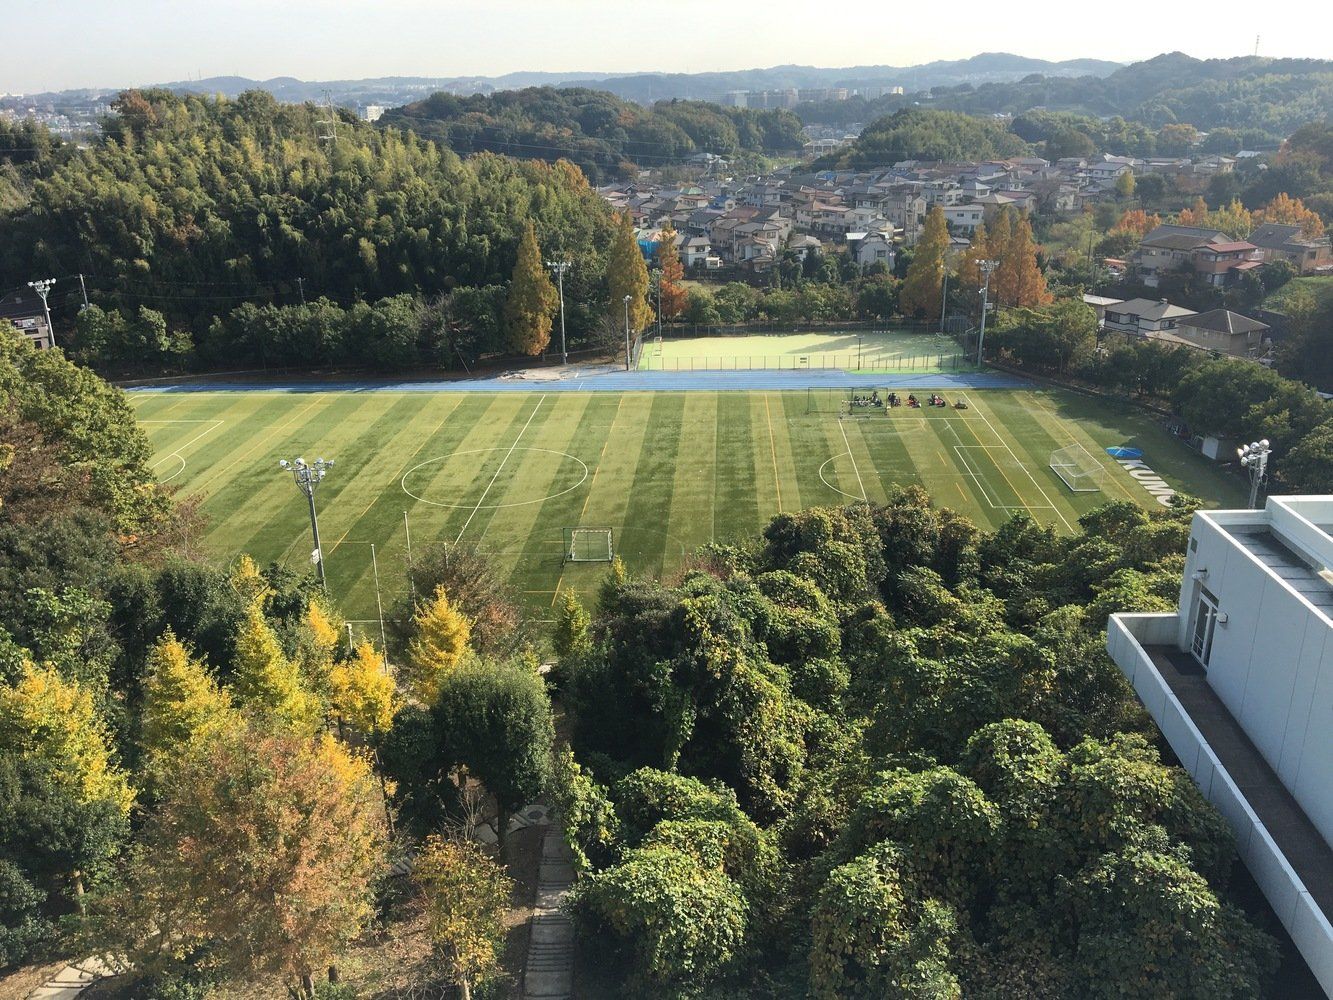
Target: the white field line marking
pixel 214 425
pixel 503 462
pixel 1044 495
pixel 773 451
pixel 606 443
pixel 848 445
pixel 962 460
pixel 1003 475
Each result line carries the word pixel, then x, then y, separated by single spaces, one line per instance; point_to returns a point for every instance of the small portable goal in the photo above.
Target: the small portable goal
pixel 1077 469
pixel 589 545
pixel 868 402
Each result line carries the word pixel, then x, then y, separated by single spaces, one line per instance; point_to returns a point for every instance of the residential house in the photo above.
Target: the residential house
pixel 1222 264
pixel 1223 331
pixel 23 308
pixel 803 246
pixel 1168 248
pixel 1144 316
pixel 1280 242
pixel 1100 303
pixel 1237 678
pixel 872 248
pixel 965 218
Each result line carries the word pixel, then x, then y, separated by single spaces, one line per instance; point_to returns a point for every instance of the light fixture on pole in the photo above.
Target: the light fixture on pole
pixel 43 286
pixel 627 298
pixel 858 350
pixel 657 280
pixel 560 267
pixel 308 476
pixel 1254 456
pixel 987 269
pixel 944 296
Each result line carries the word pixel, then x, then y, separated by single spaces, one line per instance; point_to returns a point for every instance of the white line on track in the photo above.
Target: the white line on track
pixel 848 445
pixel 505 460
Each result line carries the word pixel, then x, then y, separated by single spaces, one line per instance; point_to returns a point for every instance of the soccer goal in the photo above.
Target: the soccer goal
pixel 863 403
pixel 1080 471
pixel 589 545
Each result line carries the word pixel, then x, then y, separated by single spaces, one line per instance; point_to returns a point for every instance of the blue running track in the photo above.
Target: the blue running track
pixel 635 381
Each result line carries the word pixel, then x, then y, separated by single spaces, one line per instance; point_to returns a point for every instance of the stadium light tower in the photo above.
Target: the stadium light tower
pixel 560 267
pixel 987 268
pixel 1254 456
pixel 43 286
pixel 627 298
pixel 308 476
pixel 657 284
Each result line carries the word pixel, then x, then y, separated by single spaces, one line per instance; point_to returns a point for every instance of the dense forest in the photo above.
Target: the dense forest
pixel 1264 99
pixel 606 136
pixel 916 134
pixel 188 206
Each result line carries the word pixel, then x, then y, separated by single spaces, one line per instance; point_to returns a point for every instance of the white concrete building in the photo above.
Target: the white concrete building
pixel 1240 681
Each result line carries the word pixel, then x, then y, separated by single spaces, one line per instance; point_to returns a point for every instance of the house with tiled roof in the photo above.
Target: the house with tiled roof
pixel 1281 242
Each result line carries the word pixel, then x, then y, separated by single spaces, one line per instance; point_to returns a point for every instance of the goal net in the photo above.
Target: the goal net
pixel 1079 470
pixel 588 545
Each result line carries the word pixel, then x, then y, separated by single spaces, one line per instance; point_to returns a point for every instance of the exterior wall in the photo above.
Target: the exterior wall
pixel 1272 657
pixel 1126 635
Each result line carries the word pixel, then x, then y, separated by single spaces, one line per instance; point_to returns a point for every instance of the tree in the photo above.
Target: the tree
pixel 467 896
pixel 1019 279
pixel 1124 185
pixel 572 627
pixel 1292 212
pixel 264 678
pixel 442 633
pixel 673 293
pixel 264 851
pixel 920 294
pixel 181 702
pixel 1308 467
pixel 1136 221
pixel 495 720
pixel 627 274
pixel 532 299
pixel 361 690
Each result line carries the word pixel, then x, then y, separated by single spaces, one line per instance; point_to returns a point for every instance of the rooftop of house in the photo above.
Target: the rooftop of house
pixel 1224 321
pixel 1151 309
pixel 23 303
pixel 1235 246
pixel 1275 235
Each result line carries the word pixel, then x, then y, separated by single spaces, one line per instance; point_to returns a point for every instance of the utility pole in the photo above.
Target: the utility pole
pixel 300 283
pixel 308 476
pixel 84 289
pixel 627 298
pixel 987 268
pixel 560 267
pixel 1254 456
pixel 43 286
pixel 944 295
pixel 657 278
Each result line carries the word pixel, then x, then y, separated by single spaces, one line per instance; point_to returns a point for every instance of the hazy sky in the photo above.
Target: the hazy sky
pixel 107 43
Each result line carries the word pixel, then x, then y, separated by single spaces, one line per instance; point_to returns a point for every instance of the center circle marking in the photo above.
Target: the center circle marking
pixel 492 506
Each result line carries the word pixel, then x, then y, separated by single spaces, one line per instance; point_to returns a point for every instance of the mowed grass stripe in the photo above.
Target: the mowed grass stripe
pixel 740 456
pixel 802 451
pixel 203 464
pixel 532 543
pixel 1036 492
pixel 689 519
pixel 645 533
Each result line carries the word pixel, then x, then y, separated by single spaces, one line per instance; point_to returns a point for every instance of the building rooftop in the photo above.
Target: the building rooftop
pixel 1223 321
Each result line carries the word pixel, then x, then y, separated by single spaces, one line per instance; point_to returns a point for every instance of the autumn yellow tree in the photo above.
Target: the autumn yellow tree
pixel 968 278
pixel 1195 215
pixel 999 239
pixel 248 581
pixel 532 299
pixel 441 637
pixel 1234 219
pixel 466 894
pixel 672 291
pixel 1292 212
pixel 264 678
pixel 920 297
pixel 1137 221
pixel 1028 281
pixel 263 851
pixel 627 274
pixel 362 690
pixel 181 703
pixel 572 627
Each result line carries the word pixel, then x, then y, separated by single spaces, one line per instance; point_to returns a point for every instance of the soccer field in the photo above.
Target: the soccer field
pixel 851 350
pixel 510 472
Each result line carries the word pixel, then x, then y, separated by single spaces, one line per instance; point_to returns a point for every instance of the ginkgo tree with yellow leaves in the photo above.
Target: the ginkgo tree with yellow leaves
pixel 440 642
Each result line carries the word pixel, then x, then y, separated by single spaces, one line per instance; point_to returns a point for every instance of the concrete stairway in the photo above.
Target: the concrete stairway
pixel 550 970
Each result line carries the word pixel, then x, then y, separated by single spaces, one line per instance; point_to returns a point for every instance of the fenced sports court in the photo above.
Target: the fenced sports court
pixel 849 350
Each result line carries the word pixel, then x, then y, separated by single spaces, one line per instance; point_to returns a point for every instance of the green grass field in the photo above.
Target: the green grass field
pixel 667 471
pixel 878 350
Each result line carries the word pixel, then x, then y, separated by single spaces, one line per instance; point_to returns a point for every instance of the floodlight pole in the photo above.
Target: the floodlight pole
pixel 1254 456
pixel 561 266
pixel 987 268
pixel 944 296
pixel 43 286
pixel 657 276
pixel 627 298
pixel 307 476
pixel 858 351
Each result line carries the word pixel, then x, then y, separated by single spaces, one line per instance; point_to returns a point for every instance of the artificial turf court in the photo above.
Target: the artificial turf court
pixel 864 350
pixel 508 472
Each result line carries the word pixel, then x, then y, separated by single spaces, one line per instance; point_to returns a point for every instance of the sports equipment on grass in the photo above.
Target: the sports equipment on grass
pixel 1077 469
pixel 589 545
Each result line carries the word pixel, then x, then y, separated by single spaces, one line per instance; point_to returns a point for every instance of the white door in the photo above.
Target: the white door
pixel 1205 622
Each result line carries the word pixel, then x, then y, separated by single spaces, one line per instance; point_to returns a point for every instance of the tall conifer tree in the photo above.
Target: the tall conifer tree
pixel 924 284
pixel 532 299
pixel 627 274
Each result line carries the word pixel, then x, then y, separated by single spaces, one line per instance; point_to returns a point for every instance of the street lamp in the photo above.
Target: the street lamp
pixel 561 266
pixel 987 268
pixel 308 476
pixel 657 279
pixel 42 286
pixel 944 296
pixel 858 351
pixel 1254 456
pixel 627 298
